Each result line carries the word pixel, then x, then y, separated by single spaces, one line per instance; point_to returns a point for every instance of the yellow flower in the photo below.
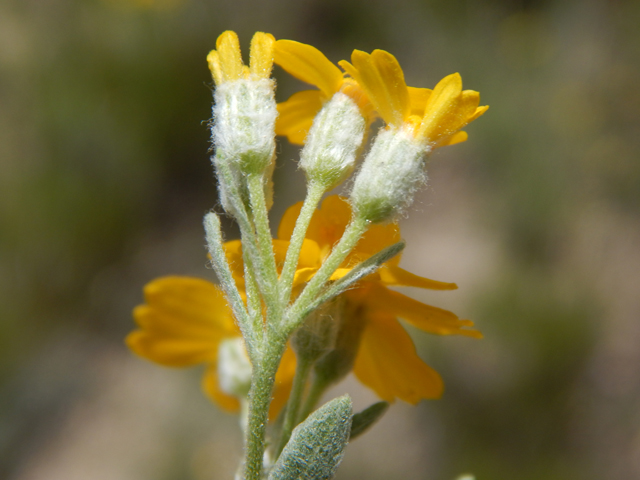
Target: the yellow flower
pixel 432 116
pixel 183 322
pixel 386 361
pixel 309 64
pixel 226 64
pixel 185 319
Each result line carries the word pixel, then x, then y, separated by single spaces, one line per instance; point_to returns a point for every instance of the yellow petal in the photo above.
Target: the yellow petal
pixel 418 98
pixel 211 387
pixel 213 60
pixel 457 137
pixel 228 48
pixel 295 116
pixel 377 238
pixel 284 380
pixel 387 362
pixel 425 317
pixel 442 102
pixel 303 275
pixel 392 275
pixel 380 75
pixel 171 351
pixel 308 64
pixel 182 323
pixel 261 61
pixel 329 222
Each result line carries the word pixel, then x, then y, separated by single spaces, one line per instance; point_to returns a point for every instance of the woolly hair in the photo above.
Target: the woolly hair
pixel 390 175
pixel 244 117
pixel 329 154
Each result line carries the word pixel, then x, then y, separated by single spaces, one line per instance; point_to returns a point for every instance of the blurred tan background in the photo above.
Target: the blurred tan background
pixel 105 177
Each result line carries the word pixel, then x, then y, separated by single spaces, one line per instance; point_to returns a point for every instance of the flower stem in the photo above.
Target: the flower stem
pixel 265 246
pixel 262 381
pixel 295 399
pixel 314 194
pixel 318 387
pixel 350 238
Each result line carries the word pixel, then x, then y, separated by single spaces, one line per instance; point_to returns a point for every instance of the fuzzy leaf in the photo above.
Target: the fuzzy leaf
pixel 317 445
pixel 366 418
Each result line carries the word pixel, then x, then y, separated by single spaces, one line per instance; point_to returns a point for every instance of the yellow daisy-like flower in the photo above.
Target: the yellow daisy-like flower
pixel 185 319
pixel 433 116
pixel 182 324
pixel 386 361
pixel 226 64
pixel 310 65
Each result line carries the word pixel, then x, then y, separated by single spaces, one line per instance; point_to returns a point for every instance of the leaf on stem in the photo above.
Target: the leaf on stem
pixel 317 445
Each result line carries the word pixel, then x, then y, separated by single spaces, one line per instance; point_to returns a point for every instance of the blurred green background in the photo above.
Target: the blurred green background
pixel 105 178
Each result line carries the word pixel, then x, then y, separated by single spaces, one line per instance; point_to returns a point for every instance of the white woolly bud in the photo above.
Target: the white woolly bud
pixel 333 141
pixel 244 117
pixel 234 368
pixel 389 177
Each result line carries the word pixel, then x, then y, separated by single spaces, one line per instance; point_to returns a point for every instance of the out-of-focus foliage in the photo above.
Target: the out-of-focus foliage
pixel 105 176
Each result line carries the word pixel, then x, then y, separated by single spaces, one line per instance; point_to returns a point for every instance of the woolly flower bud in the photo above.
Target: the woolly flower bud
pixel 244 117
pixel 389 177
pixel 234 368
pixel 335 136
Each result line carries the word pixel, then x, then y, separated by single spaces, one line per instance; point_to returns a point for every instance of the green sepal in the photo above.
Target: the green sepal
pixel 317 445
pixel 366 418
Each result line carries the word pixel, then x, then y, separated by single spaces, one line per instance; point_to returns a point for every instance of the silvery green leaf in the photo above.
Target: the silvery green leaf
pixel 366 418
pixel 317 445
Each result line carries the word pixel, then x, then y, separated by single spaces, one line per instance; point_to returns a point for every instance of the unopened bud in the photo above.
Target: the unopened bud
pixel 389 177
pixel 333 141
pixel 317 335
pixel 338 362
pixel 244 116
pixel 234 368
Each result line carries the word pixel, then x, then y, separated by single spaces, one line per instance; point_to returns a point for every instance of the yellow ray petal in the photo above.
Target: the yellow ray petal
pixel 308 64
pixel 211 387
pixel 418 98
pixel 213 60
pixel 380 75
pixel 377 238
pixel 295 116
pixel 171 351
pixel 329 222
pixel 190 300
pixel 228 47
pixel 261 61
pixel 284 380
pixel 392 275
pixel 457 137
pixel 387 363
pixel 441 102
pixel 425 317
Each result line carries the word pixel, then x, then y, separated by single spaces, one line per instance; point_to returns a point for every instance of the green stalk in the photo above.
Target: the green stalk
pixel 350 238
pixel 314 194
pixel 262 381
pixel 318 387
pixel 269 272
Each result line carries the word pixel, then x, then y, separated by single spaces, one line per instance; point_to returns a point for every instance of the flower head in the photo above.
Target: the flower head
pixel 184 320
pixel 183 323
pixel 434 117
pixel 310 65
pixel 385 359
